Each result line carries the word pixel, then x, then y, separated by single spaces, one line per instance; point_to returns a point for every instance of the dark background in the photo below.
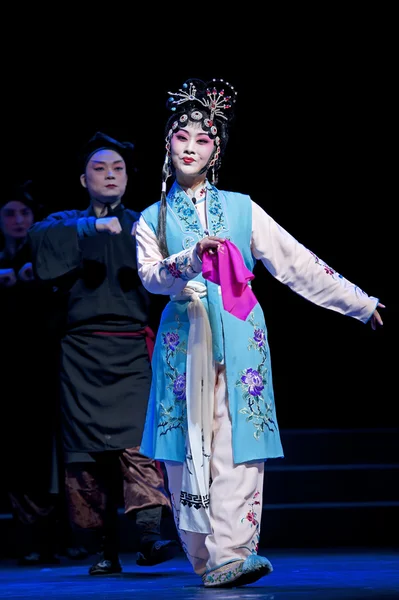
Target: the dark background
pixel 314 143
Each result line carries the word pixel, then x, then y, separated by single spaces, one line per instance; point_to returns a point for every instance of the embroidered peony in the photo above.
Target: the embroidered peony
pixel 179 387
pixel 259 337
pixel 171 340
pixel 251 517
pixel 253 381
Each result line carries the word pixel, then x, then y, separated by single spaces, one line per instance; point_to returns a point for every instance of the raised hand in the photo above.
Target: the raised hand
pixel 108 225
pixel 209 244
pixel 7 277
pixel 26 272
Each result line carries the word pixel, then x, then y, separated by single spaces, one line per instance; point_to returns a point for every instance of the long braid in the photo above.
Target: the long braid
pixel 161 226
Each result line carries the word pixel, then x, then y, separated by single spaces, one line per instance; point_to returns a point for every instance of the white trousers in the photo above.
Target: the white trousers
pixel 235 498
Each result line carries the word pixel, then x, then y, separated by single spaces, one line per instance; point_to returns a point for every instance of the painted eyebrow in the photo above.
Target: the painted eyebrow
pixel 104 162
pixel 196 135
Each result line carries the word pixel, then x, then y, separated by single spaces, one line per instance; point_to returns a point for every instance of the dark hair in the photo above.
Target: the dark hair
pixel 195 105
pixel 101 141
pixel 21 193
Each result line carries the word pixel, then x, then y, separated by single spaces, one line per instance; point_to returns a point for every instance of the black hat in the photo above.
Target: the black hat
pixel 21 193
pixel 101 141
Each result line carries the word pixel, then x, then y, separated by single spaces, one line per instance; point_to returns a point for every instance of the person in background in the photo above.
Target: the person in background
pixel 105 369
pixel 31 467
pixel 211 414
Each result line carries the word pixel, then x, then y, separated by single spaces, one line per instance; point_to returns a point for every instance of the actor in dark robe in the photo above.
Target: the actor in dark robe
pixel 28 398
pixel 105 372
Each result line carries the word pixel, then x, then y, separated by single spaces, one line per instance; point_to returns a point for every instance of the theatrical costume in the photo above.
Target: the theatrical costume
pixel 211 414
pixel 105 371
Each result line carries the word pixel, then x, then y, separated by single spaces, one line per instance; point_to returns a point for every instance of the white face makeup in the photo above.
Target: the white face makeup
pixel 105 177
pixel 191 149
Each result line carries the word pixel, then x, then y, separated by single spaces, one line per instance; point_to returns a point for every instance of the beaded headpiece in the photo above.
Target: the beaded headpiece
pixel 209 104
pixel 216 103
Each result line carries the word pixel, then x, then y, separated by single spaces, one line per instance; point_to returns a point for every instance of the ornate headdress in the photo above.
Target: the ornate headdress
pixel 208 104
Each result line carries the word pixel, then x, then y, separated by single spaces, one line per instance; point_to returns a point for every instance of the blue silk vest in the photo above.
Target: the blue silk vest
pixel 241 345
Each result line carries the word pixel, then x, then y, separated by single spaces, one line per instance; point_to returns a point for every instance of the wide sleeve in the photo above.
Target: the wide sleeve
pixel 305 273
pixel 54 244
pixel 167 276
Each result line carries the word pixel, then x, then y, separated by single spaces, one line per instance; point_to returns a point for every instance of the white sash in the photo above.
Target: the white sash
pixel 200 386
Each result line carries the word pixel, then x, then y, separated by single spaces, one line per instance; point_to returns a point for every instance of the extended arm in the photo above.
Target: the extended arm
pixel 305 273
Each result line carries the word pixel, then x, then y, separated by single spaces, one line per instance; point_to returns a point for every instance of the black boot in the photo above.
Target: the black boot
pixel 152 549
pixel 36 545
pixel 106 566
pixel 154 553
pixel 108 561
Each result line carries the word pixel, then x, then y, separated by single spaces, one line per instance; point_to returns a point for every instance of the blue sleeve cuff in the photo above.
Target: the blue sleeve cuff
pixel 86 227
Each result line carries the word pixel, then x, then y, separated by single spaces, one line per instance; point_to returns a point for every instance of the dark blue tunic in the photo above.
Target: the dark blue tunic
pixel 105 365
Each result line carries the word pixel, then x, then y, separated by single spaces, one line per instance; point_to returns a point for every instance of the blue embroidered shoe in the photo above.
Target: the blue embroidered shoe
pixel 254 568
pixel 238 573
pixel 223 576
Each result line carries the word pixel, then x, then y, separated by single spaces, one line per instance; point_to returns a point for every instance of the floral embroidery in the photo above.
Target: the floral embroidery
pixel 181 204
pixel 259 337
pixel 175 415
pixel 225 574
pixel 188 242
pixel 320 262
pixel 184 208
pixel 332 272
pixel 171 340
pixel 179 387
pixel 252 381
pixel 215 212
pixel 179 266
pixel 251 517
pixel 173 270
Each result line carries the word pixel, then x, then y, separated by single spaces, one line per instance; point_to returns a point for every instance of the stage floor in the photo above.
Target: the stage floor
pixel 308 574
